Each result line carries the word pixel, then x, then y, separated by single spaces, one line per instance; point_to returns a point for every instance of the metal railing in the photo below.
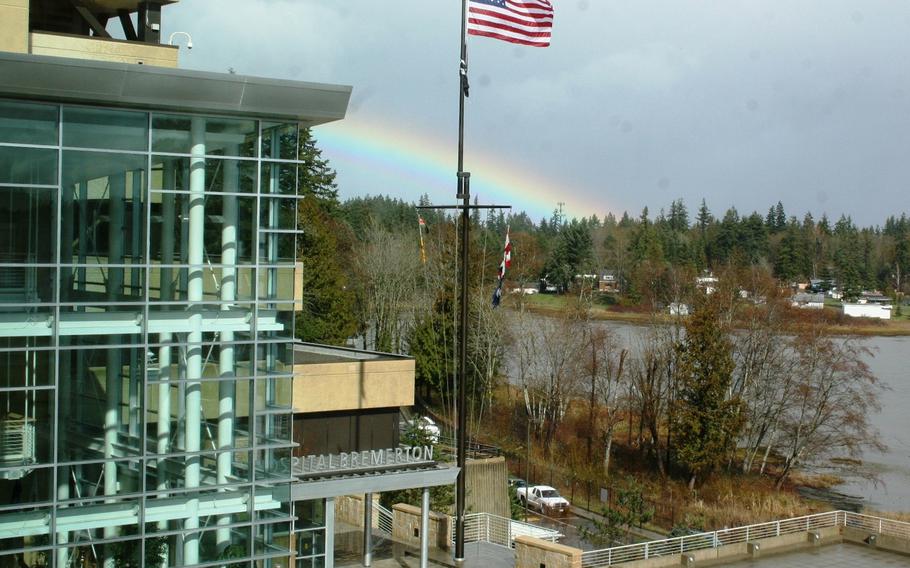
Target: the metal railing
pixel 486 527
pixel 383 519
pixel 17 441
pixel 750 533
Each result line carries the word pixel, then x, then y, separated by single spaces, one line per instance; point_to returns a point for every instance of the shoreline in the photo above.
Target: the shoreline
pixel 887 328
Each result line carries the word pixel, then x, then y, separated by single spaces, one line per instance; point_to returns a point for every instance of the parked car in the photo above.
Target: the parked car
pixel 543 498
pixel 517 482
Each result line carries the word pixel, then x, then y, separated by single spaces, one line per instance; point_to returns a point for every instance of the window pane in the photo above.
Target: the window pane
pixel 278 213
pixel 27 285
pixel 26 367
pixel 170 173
pixel 223 136
pixel 105 128
pixel 105 384
pixel 28 165
pixel 26 123
pixel 231 137
pixel 279 141
pixel 104 208
pixel 279 178
pixel 278 248
pixel 230 176
pixel 27 422
pixel 34 487
pixel 170 230
pixel 27 220
pixel 171 134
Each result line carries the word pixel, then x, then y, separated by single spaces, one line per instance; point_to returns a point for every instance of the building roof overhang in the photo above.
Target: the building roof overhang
pixel 373 482
pixel 82 81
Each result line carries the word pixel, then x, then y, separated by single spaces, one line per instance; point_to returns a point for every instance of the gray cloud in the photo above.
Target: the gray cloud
pixel 742 102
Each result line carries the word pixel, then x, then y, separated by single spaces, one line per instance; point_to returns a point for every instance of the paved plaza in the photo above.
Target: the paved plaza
pixel 833 556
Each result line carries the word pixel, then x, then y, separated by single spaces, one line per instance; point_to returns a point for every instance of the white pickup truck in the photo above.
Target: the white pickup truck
pixel 543 498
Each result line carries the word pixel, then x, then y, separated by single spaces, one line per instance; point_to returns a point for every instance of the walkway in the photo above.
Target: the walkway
pixel 387 555
pixel 832 556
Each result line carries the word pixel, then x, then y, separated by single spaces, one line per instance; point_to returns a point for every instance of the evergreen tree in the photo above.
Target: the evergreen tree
pixel 707 423
pixel 327 314
pixel 316 178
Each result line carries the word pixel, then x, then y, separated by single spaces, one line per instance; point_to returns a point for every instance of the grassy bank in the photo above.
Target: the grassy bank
pixel 552 304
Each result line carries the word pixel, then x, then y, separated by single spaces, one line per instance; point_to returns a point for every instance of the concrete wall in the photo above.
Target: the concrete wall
pixel 349 509
pixel 884 542
pixel 102 49
pixel 406 527
pixel 532 552
pixel 14 26
pixel 723 555
pixel 488 483
pixel 350 385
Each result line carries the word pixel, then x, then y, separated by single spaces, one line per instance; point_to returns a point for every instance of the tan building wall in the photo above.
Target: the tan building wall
pixel 353 385
pixel 532 552
pixel 406 527
pixel 102 49
pixel 14 26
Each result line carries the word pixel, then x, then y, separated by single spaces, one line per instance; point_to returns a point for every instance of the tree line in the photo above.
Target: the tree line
pixel 729 388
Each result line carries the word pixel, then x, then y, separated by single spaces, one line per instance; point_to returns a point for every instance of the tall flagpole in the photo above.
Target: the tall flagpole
pixel 464 193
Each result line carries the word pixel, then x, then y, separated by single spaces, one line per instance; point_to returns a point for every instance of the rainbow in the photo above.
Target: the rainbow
pixel 406 163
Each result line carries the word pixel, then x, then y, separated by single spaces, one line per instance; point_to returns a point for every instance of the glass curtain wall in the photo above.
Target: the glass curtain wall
pixel 147 298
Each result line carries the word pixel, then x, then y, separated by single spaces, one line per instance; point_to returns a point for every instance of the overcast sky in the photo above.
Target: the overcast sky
pixel 742 103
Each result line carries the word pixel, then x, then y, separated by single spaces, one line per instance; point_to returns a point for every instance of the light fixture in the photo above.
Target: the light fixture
pixel 189 39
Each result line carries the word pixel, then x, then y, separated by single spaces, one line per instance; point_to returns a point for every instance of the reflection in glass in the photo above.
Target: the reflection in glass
pixel 223 136
pixel 24 366
pixel 28 123
pixel 107 129
pixel 25 216
pixel 103 210
pixel 279 178
pixel 37 166
pixel 278 213
pixel 279 141
pixel 26 420
pixel 100 402
pixel 170 228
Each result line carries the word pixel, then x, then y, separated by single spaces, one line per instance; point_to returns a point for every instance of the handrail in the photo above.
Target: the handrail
pixel 383 519
pixel 493 529
pixel 749 533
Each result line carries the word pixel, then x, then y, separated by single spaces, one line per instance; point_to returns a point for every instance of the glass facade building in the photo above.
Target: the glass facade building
pixel 147 297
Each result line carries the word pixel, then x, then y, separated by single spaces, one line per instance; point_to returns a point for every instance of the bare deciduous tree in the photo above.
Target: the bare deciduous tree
pixel 389 266
pixel 831 402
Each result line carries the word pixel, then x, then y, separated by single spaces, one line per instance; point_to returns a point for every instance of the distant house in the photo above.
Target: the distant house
pixel 808 301
pixel 525 291
pixel 678 309
pixel 822 284
pixel 868 310
pixel 871 304
pixel 607 281
pixel 707 282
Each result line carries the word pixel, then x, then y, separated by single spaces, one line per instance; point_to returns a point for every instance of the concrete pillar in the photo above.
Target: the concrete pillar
pixel 195 257
pixel 114 369
pixel 367 529
pixel 425 527
pixel 226 361
pixel 330 532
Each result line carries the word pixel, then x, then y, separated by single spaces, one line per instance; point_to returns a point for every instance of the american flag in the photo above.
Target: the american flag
pixel 528 22
pixel 501 274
